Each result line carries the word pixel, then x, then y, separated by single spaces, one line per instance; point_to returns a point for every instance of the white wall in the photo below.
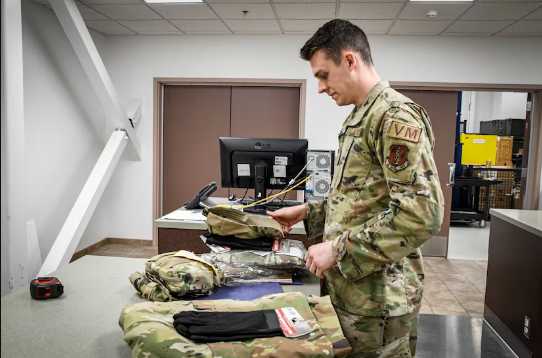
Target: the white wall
pixel 513 105
pixel 62 121
pixel 486 106
pixel 3 159
pixel 133 62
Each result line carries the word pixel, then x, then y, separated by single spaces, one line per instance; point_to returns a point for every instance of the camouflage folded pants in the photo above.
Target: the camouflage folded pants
pixel 377 337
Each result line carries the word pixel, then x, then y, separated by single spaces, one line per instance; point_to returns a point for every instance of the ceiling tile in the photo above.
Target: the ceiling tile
pixel 151 27
pixel 511 1
pixel 410 27
pixel 498 11
pixel 109 27
pixel 373 27
pixel 374 11
pixel 465 34
pixel 111 1
pixel 89 14
pixel 237 1
pixel 235 11
pixel 524 27
pixel 303 1
pixel 302 26
pixel 127 12
pixel 201 26
pixel 184 11
pixel 253 26
pixel 305 11
pixel 536 15
pixel 477 27
pixel 418 11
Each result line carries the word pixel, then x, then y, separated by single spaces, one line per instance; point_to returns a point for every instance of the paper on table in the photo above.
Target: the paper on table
pixel 185 215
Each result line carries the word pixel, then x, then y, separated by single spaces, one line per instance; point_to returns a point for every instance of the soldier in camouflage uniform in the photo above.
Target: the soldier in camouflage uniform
pixel 385 201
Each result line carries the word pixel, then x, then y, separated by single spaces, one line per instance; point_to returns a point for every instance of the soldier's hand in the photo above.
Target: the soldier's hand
pixel 320 258
pixel 288 217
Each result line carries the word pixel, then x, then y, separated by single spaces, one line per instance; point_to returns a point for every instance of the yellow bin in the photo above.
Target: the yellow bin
pixel 478 149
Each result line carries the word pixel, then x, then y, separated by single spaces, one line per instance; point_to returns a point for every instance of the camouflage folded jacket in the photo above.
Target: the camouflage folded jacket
pixel 172 275
pixel 175 275
pixel 226 221
pixel 148 329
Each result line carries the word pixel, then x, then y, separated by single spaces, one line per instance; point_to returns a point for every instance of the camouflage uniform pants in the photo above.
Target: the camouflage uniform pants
pixel 374 337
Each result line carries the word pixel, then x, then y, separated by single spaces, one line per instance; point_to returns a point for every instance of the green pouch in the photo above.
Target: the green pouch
pixel 225 221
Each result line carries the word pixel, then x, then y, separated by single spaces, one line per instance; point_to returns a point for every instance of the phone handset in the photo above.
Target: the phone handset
pixel 201 196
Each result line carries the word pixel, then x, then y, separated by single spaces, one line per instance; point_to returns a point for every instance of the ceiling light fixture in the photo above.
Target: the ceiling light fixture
pixel 172 1
pixel 432 14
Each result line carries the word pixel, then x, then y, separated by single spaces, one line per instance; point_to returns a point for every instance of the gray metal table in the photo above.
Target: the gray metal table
pixel 84 321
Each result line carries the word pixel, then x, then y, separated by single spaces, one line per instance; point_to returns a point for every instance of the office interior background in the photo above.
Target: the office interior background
pixel 488 53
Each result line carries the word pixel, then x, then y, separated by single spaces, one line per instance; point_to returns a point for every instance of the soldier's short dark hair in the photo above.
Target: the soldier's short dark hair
pixel 337 35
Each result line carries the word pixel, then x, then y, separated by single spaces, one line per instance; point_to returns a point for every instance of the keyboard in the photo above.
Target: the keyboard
pixel 272 206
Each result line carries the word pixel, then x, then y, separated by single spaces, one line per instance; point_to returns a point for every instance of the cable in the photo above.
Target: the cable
pixel 245 194
pixel 295 178
pixel 269 198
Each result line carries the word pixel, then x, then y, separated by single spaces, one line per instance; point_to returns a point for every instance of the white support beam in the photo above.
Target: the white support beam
pixel 75 28
pixel 12 62
pixel 73 228
pixel 34 261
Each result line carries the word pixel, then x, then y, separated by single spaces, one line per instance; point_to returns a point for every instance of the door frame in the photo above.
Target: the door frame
pixel 158 95
pixel 531 198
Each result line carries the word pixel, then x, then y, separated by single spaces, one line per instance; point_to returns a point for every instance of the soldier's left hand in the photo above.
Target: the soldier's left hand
pixel 320 258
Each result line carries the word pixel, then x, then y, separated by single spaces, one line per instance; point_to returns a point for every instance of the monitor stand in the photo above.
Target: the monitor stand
pixel 260 181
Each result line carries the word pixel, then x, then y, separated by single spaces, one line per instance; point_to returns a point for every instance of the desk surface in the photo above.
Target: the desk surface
pixel 84 321
pixel 194 220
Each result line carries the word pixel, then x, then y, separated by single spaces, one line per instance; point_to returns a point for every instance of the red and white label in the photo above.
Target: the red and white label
pixel 291 322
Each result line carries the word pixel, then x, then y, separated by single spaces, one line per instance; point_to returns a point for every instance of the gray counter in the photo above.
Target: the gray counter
pixel 83 322
pixel 530 220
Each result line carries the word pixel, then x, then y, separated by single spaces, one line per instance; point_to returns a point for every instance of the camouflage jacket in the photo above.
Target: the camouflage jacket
pixel 385 202
pixel 172 275
pixel 148 329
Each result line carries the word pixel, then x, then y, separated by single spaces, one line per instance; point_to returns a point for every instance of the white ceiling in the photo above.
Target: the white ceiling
pixel 391 17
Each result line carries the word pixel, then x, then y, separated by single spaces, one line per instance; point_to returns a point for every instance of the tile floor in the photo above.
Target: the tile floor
pixel 452 287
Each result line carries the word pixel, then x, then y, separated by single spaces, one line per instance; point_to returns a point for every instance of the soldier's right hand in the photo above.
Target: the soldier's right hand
pixel 288 217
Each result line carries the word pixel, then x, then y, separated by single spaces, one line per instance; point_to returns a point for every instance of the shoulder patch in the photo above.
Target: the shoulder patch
pixel 404 131
pixel 397 158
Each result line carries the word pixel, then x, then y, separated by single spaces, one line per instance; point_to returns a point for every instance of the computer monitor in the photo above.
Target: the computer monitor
pixel 261 164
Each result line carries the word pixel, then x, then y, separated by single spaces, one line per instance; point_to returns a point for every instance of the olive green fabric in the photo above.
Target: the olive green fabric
pixel 172 275
pixel 148 329
pixel 226 221
pixel 380 337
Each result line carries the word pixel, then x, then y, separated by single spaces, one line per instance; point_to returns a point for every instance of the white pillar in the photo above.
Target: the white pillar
pixel 12 62
pixel 73 228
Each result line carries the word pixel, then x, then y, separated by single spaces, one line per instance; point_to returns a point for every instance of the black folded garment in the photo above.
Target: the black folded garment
pixel 263 244
pixel 204 327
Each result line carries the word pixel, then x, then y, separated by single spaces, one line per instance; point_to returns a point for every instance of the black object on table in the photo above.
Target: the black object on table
pixel 469 209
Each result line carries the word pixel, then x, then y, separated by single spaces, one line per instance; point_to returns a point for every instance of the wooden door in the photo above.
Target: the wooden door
pixel 442 108
pixel 193 119
pixel 264 112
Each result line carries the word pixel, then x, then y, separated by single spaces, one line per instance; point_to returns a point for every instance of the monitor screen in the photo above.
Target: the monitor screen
pixel 261 163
